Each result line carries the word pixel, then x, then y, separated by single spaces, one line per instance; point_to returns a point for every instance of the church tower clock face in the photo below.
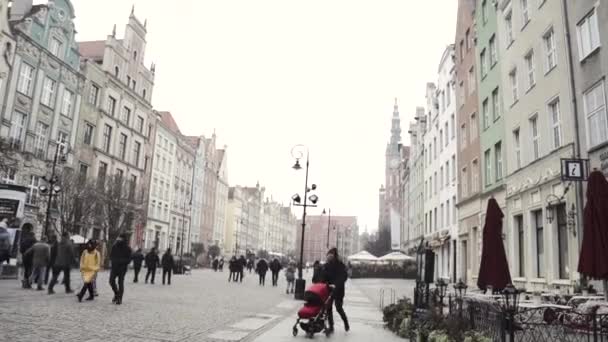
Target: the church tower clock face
pixel 394 163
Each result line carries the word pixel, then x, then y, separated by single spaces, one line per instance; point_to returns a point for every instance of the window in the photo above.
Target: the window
pixel 8 176
pixel 472 80
pixel 464 182
pixel 493 51
pixel 535 137
pixel 467 39
pixel 484 11
pixel 514 85
pixel 143 93
pixel 122 146
pixel 473 126
pixel 140 124
pixel 453 126
pixel 83 171
pixel 32 192
pixel 474 177
pixel 67 103
pixel 111 105
pixel 435 186
pixel 551 57
pixel 562 242
pixel 525 12
pixel 498 160
pixel 495 104
pixel 447 213
pixel 485 111
pixel 453 167
pixel 537 218
pixel 136 153
pixel 448 93
pixel 594 103
pixel 529 61
pixel 440 140
pixel 446 139
pixel 441 216
pixel 48 92
pixel 441 182
pixel 488 169
pixel 447 173
pixel 461 50
pixel 55 46
pixel 463 136
pixel 120 174
pixel 461 93
pixel 484 63
pixel 146 163
pixel 555 123
pixel 125 116
pixel 509 28
pixel 435 147
pixel 18 129
pixel 93 95
pixel 42 130
pixel 26 77
pixel 588 35
pixel 107 138
pixel 517 144
pixel 128 81
pixel 102 172
pixel 62 137
pixel 88 134
pixel 521 245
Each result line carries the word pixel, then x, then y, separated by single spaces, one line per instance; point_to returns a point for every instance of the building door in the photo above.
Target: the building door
pixel 454 258
pixel 562 242
pixel 464 257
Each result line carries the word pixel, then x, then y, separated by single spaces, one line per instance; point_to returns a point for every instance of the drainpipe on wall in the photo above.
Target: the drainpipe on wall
pixel 577 143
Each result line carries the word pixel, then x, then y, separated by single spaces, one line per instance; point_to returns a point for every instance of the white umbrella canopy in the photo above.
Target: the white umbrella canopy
pixel 396 256
pixel 78 239
pixel 362 256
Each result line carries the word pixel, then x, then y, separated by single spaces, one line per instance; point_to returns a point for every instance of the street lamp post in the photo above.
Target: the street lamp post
pixel 53 189
pixel 300 282
pixel 328 223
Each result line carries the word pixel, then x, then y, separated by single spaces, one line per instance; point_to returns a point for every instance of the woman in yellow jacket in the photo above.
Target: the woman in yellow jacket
pixel 89 266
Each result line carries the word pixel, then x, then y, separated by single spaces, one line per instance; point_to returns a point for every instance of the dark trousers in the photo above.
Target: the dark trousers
pixel 85 287
pixel 241 275
pixel 230 276
pixel 151 271
pixel 27 271
pixel 136 269
pixel 262 279
pixel 118 272
pixel 66 277
pixel 338 301
pixel 275 278
pixel 48 273
pixel 167 272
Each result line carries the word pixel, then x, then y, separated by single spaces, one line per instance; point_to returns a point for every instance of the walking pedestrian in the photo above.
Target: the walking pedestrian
pixel 120 256
pixel 221 264
pixel 316 272
pixel 152 261
pixel 63 263
pixel 250 264
pixel 138 258
pixel 215 264
pixel 261 269
pixel 241 267
pixel 5 243
pixel 275 268
pixel 27 241
pixel 290 276
pixel 168 264
pixel 53 245
pixel 89 266
pixel 41 254
pixel 334 273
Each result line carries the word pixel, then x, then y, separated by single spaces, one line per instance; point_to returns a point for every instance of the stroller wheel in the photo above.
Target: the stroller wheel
pixel 310 334
pixel 295 332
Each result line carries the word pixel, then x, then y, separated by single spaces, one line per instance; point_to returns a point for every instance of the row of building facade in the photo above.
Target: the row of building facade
pixel 521 88
pixel 90 103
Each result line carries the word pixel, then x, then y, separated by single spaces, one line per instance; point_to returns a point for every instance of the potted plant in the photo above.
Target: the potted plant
pixel 438 336
pixel 475 336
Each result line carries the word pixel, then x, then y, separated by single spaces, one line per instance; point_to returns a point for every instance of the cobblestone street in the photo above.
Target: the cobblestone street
pixel 198 307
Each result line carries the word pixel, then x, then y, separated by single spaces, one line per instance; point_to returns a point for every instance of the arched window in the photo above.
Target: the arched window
pixel 135 55
pixel 116 71
pixel 144 93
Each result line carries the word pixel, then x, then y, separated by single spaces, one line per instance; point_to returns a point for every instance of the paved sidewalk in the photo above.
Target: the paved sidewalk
pixel 365 320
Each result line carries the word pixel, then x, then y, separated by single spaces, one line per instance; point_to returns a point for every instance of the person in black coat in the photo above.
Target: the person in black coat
pixel 334 273
pixel 215 263
pixel 261 269
pixel 250 264
pixel 241 267
pixel 275 268
pixel 120 256
pixel 152 261
pixel 168 264
pixel 232 267
pixel 316 272
pixel 53 243
pixel 27 241
pixel 221 264
pixel 138 258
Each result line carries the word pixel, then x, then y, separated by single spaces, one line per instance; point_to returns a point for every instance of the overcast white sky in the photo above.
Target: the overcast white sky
pixel 270 74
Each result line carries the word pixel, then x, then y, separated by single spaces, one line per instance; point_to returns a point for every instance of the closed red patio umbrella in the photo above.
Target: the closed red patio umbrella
pixel 593 259
pixel 494 268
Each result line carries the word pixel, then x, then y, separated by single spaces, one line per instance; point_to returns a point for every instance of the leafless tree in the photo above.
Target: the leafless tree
pixel 8 158
pixel 76 202
pixel 120 205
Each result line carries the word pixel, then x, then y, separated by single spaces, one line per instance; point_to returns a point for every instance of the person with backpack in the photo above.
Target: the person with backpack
pixel 275 268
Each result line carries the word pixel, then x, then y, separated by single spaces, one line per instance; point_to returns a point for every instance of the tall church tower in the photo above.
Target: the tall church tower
pixel 391 196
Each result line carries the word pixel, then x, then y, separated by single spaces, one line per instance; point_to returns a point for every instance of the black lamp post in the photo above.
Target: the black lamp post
pixel 511 302
pixel 300 282
pixel 328 223
pixel 442 287
pixel 53 188
pixel 460 290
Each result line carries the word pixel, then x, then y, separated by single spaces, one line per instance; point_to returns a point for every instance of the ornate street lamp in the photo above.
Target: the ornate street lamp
pixel 442 287
pixel 511 302
pixel 297 153
pixel 460 289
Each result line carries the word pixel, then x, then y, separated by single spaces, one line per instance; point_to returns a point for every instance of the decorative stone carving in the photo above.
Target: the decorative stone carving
pixel 23 103
pixel 46 111
pixel 41 15
pixel 64 123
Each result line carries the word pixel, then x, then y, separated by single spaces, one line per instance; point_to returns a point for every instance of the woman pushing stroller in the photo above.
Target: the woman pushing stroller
pixel 334 273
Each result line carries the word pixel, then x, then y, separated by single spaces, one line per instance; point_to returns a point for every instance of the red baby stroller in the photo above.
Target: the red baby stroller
pixel 312 317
